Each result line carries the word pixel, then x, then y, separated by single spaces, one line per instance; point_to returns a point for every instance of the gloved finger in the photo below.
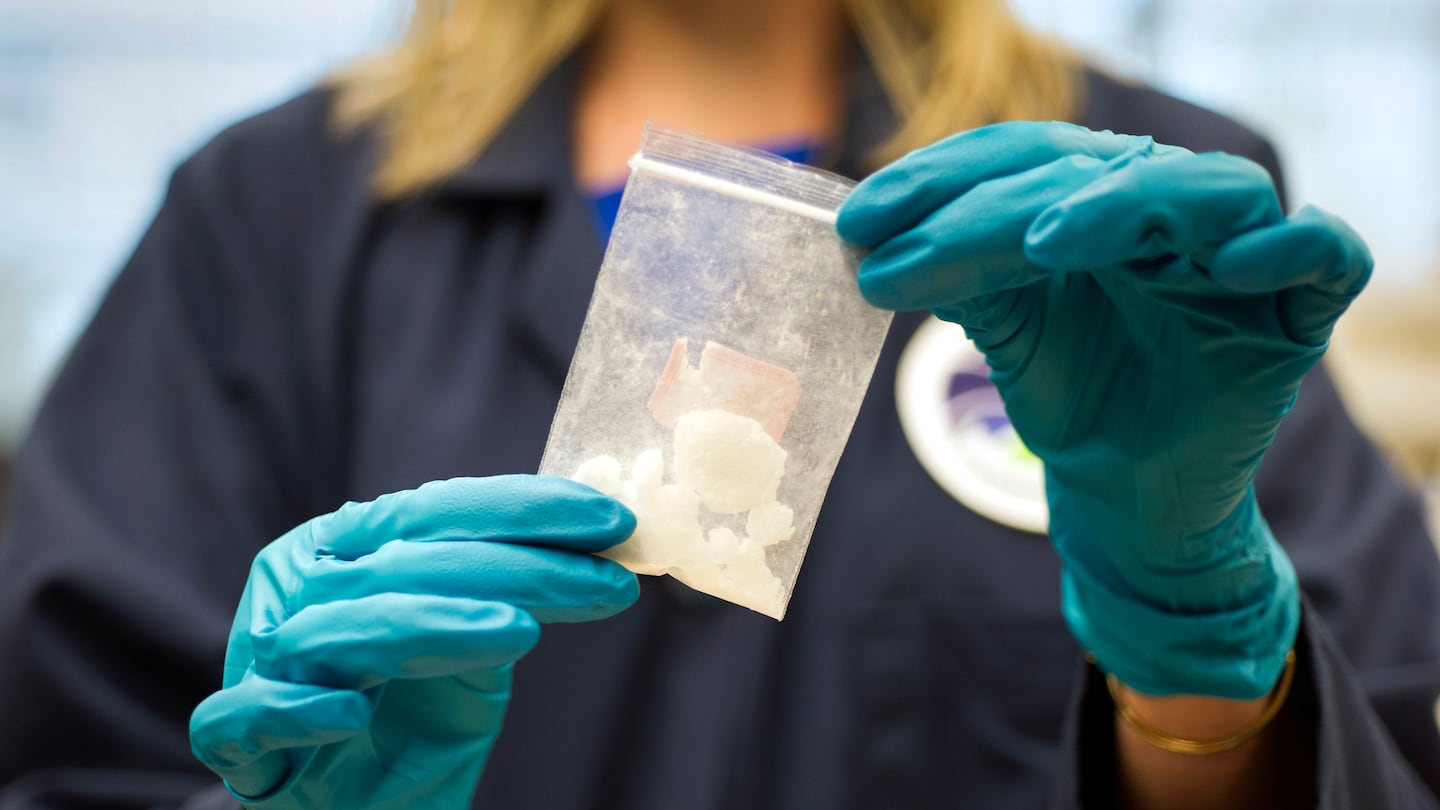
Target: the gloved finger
pixel 904 193
pixel 1149 207
pixel 256 733
pixel 1315 261
pixel 358 644
pixel 475 703
pixel 973 245
pixel 531 509
pixel 552 585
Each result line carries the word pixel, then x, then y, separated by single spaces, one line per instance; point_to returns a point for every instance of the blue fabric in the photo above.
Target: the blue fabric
pixel 280 344
pixel 605 203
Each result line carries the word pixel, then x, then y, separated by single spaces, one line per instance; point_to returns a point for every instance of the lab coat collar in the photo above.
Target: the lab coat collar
pixel 531 153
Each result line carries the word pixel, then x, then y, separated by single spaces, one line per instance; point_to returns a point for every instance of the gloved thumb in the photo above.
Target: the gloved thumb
pixel 256 734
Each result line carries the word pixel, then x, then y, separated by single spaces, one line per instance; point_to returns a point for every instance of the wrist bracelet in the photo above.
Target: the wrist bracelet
pixel 1181 745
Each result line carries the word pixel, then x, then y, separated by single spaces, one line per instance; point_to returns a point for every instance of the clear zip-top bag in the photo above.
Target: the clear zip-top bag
pixel 721 366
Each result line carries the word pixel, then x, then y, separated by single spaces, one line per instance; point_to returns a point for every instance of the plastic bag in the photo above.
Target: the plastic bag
pixel 721 366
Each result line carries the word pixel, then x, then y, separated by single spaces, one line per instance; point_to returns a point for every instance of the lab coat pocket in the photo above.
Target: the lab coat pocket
pixel 961 705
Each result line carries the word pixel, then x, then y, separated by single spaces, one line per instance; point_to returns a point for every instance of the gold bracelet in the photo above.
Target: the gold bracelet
pixel 1181 745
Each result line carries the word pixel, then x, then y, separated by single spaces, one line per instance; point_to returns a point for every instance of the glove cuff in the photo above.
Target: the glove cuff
pixel 1237 652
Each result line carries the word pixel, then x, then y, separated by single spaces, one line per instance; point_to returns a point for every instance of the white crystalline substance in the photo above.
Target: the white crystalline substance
pixel 744 562
pixel 667 516
pixel 602 473
pixel 729 465
pixel 649 470
pixel 736 571
pixel 770 524
pixel 729 460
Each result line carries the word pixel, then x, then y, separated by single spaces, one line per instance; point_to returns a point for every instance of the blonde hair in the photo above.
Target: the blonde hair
pixel 439 97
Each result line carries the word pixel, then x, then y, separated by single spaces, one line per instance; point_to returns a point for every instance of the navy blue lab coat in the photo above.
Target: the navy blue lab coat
pixel 280 343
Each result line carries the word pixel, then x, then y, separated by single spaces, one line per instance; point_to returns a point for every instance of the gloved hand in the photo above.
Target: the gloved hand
pixel 369 664
pixel 1147 314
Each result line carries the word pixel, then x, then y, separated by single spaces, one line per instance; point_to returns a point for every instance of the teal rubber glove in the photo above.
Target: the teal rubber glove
pixel 369 664
pixel 1147 314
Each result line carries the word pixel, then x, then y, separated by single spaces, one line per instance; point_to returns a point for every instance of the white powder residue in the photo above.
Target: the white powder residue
pixel 726 466
pixel 667 515
pixel 602 473
pixel 770 524
pixel 731 466
pixel 728 459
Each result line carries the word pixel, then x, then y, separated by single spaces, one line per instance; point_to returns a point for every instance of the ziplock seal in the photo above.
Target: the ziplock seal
pixel 746 173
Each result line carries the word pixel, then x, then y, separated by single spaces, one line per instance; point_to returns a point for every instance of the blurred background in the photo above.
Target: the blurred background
pixel 99 100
